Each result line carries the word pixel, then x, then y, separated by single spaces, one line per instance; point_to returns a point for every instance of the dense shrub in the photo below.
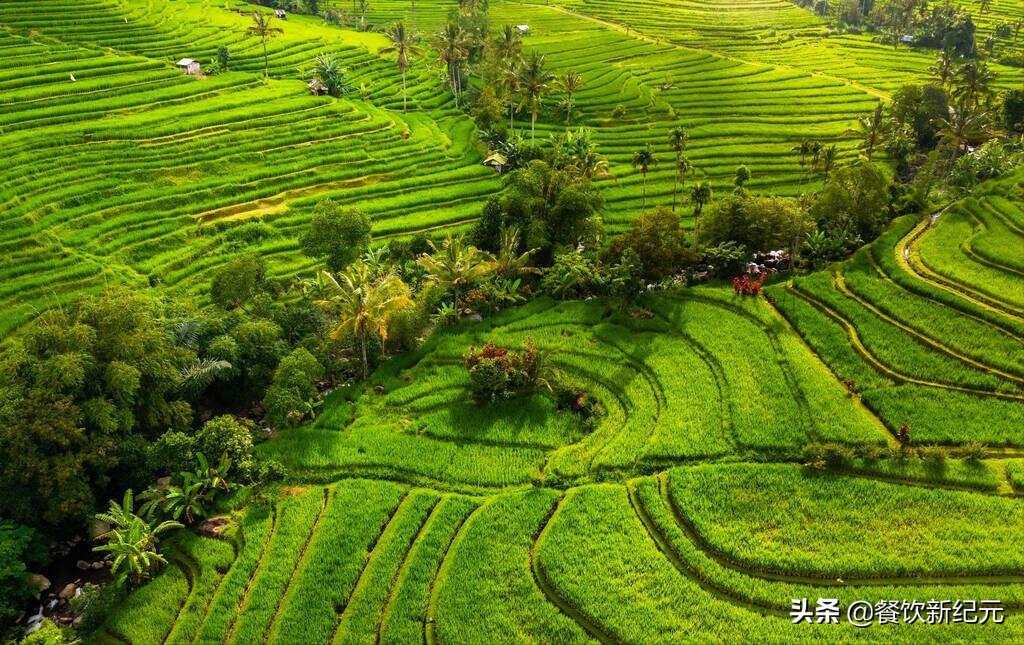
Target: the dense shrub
pixel 290 397
pixel 497 373
pixel 658 239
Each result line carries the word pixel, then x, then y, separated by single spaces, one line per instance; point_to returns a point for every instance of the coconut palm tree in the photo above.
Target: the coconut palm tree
pixel 971 84
pixel 403 44
pixel 262 28
pixel 828 160
pixel 507 45
pixel 534 83
pixel 455 265
pixel 700 194
pixel 453 44
pixel 569 83
pixel 944 68
pixel 677 139
pixel 964 127
pixel 508 80
pixel 869 128
pixel 364 305
pixel 642 161
pixel 803 150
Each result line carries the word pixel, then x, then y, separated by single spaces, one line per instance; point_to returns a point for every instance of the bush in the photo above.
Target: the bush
pixel 497 373
pixel 228 434
pixel 17 551
pixel 290 397
pixel 828 455
pixel 658 238
pixel 337 234
pixel 973 451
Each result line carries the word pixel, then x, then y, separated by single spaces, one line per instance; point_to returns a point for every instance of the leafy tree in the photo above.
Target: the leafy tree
pixel 755 222
pixel 403 45
pixel 238 281
pixel 1013 111
pixel 919 108
pixel 83 391
pixel 572 274
pixel 742 176
pixel 534 82
pixel 131 542
pixel 262 28
pixel 625 278
pixel 290 397
pixel 510 263
pixel 856 200
pixel 658 240
pixel 226 435
pixel 570 83
pixel 336 233
pixel 19 548
pixel 364 306
pixel 328 70
pixel 223 57
pixel 642 160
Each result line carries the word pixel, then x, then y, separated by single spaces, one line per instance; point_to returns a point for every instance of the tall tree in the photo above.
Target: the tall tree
pixel 535 83
pixel 453 44
pixel 677 139
pixel 327 68
pixel 364 305
pixel 828 160
pixel 944 68
pixel 403 45
pixel 569 83
pixel 643 160
pixel 972 84
pixel 507 48
pixel 262 28
pixel 870 128
pixel 700 194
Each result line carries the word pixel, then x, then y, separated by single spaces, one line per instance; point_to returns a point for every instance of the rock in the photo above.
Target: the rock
pixel 38 583
pixel 163 483
pixel 77 621
pixel 378 389
pixel 96 566
pixel 98 528
pixel 67 592
pixel 213 527
pixel 82 565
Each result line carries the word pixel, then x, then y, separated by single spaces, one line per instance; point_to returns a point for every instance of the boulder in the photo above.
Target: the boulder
pixel 68 592
pixel 213 527
pixel 38 583
pixel 82 565
pixel 96 566
pixel 378 389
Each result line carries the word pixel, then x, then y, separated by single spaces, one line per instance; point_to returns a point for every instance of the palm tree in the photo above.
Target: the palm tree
pixel 828 160
pixel 508 44
pixel 508 79
pixel 643 160
pixel 453 45
pixel 971 84
pixel 403 43
pixel 677 139
pixel 570 82
pixel 262 29
pixel 943 69
pixel 700 194
pixel 363 6
pixel 534 82
pixel 964 127
pixel 803 150
pixel 131 542
pixel 456 265
pixel 364 305
pixel 870 129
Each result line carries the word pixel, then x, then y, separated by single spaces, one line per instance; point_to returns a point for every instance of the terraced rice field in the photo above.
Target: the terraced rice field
pixel 927 324
pixel 416 516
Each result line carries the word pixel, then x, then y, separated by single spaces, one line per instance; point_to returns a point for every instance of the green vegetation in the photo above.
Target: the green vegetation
pixel 388 371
